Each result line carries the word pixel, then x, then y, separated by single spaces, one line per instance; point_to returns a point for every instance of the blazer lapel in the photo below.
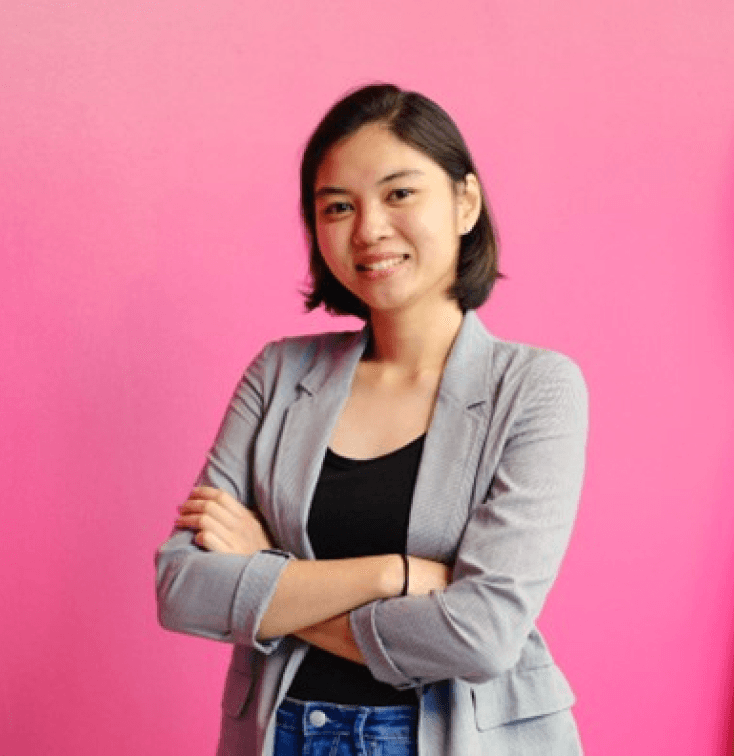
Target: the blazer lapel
pixel 308 425
pixel 446 475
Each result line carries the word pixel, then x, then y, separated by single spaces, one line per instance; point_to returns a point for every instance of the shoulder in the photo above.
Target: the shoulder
pixel 307 349
pixel 531 379
pixel 511 366
pixel 288 360
pixel 535 366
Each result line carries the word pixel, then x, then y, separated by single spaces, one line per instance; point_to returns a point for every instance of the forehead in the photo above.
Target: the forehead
pixel 370 154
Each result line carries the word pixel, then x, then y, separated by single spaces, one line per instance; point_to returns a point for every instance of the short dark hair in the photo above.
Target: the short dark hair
pixel 424 125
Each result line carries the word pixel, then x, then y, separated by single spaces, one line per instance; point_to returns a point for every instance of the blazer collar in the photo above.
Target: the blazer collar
pixel 340 358
pixel 465 374
pixel 461 380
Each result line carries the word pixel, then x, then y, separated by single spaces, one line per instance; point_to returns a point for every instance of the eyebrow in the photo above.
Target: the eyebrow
pixel 327 190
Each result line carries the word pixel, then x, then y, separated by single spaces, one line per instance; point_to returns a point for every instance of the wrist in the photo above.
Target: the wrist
pixel 393 576
pixel 406 575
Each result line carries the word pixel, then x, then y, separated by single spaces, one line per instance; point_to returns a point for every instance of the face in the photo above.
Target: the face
pixel 388 221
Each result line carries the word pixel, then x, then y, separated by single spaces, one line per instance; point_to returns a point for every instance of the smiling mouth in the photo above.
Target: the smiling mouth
pixel 382 264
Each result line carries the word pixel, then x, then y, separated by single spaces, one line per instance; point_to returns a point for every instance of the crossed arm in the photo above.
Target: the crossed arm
pixel 313 598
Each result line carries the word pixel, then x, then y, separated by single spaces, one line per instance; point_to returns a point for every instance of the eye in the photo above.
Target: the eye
pixel 336 208
pixel 401 194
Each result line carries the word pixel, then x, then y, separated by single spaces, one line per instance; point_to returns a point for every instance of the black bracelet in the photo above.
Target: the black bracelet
pixel 404 592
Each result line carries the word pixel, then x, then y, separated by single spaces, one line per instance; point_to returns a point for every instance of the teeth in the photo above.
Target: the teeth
pixel 383 264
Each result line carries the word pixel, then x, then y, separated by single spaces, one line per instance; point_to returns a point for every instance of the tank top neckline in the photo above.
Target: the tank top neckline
pixel 333 456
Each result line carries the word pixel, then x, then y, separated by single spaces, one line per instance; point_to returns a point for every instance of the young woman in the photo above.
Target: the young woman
pixel 383 512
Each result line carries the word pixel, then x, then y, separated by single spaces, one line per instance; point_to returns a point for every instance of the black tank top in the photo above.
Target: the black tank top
pixel 359 508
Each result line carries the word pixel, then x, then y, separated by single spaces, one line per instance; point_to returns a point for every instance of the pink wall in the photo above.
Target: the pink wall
pixel 150 244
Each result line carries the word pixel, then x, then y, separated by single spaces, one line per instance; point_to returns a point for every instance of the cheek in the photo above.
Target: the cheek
pixel 330 241
pixel 325 240
pixel 434 225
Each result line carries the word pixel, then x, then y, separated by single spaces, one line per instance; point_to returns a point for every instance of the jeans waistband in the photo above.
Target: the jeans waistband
pixel 311 717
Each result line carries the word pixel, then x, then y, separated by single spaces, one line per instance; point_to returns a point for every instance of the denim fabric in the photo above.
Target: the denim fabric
pixel 313 728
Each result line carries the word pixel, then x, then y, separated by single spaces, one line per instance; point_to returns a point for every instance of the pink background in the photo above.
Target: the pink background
pixel 150 245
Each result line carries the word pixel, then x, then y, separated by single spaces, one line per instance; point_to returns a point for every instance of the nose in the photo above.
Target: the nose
pixel 371 225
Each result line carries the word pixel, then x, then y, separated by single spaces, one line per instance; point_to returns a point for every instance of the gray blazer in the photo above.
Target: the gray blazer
pixel 496 496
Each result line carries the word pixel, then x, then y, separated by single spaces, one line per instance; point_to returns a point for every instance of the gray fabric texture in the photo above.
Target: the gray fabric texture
pixel 496 495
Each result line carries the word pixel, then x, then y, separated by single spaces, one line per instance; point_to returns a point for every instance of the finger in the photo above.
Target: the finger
pixel 188 522
pixel 193 506
pixel 209 526
pixel 203 521
pixel 206 492
pixel 213 509
pixel 211 542
pixel 217 495
pixel 228 502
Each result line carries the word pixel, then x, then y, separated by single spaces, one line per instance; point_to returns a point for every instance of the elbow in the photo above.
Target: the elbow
pixel 166 614
pixel 491 636
pixel 484 665
pixel 166 611
pixel 168 569
pixel 165 618
pixel 488 655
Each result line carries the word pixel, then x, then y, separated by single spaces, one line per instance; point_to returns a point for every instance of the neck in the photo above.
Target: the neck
pixel 414 341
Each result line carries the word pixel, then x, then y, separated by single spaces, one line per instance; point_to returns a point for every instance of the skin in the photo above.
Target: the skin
pixel 378 200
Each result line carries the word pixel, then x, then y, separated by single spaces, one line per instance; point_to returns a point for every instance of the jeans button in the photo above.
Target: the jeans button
pixel 317 718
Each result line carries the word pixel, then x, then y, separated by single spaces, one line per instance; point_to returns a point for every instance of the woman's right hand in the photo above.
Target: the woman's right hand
pixel 221 523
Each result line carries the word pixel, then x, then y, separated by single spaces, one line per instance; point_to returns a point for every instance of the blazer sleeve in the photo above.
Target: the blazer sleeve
pixel 509 554
pixel 213 595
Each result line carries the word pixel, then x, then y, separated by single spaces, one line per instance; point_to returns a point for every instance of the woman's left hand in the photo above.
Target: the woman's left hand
pixel 221 523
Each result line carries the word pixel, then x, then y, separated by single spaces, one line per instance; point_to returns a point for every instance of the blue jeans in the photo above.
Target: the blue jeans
pixel 312 728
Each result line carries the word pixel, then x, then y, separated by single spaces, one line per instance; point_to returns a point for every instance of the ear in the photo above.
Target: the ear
pixel 469 203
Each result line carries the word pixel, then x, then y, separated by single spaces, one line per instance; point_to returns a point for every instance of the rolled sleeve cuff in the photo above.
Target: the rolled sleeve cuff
pixel 363 622
pixel 254 592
